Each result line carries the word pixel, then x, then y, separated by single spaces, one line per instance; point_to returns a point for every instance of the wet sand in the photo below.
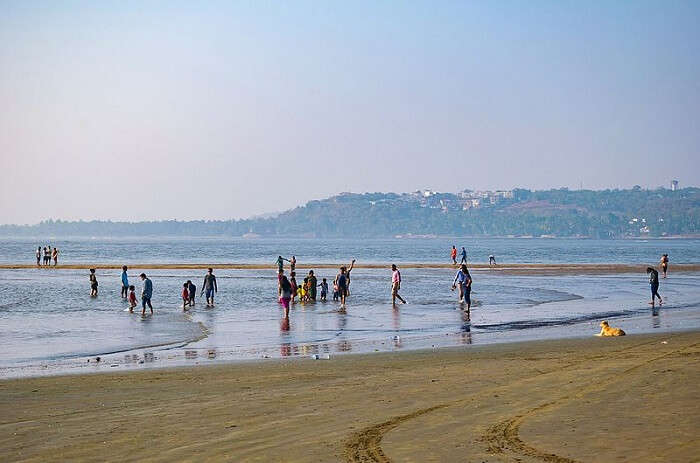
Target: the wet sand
pixel 633 398
pixel 504 268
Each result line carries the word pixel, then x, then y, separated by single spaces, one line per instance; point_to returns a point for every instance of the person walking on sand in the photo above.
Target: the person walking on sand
pixel 210 287
pixel 125 283
pixel 464 280
pixel 93 283
pixel 54 255
pixel 664 264
pixel 312 285
pixel 464 256
pixel 453 254
pixel 654 283
pixel 38 256
pixel 146 294
pixel 396 285
pixel 492 260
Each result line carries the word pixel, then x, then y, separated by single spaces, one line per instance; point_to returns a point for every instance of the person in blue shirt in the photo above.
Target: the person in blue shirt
pixel 146 294
pixel 464 279
pixel 464 256
pixel 125 283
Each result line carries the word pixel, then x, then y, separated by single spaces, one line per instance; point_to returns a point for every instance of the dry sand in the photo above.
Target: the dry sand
pixel 599 399
pixel 504 268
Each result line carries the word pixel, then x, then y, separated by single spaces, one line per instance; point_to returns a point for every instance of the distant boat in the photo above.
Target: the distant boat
pixel 251 235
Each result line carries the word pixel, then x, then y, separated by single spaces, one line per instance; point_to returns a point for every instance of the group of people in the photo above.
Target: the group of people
pixel 289 290
pixel 189 290
pixel 463 255
pixel 128 291
pixel 44 256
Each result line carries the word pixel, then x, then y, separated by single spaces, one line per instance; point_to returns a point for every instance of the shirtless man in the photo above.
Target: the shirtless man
pixel 664 264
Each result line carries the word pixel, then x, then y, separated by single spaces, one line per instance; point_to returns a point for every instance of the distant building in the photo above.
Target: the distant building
pixel 674 185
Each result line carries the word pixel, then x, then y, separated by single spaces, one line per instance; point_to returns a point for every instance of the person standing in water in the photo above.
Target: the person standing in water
pixel 93 283
pixel 312 285
pixel 453 254
pixel 464 256
pixel 293 264
pixel 286 294
pixel 341 281
pixel 396 285
pixel 54 254
pixel 664 264
pixel 492 260
pixel 280 263
pixel 192 290
pixel 38 256
pixel 210 287
pixel 125 283
pixel 47 255
pixel 347 276
pixel 146 294
pixel 654 283
pixel 464 280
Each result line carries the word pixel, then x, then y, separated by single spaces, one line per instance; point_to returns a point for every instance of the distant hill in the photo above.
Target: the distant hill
pixel 561 213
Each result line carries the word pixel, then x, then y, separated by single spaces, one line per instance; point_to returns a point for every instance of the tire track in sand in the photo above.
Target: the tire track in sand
pixel 504 436
pixel 365 445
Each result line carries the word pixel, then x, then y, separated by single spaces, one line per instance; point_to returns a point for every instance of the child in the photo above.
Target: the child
pixel 335 291
pixel 324 290
pixel 306 288
pixel 293 282
pixel 132 298
pixel 185 296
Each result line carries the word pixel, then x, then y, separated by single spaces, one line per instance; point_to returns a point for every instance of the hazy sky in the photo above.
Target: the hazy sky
pixel 158 110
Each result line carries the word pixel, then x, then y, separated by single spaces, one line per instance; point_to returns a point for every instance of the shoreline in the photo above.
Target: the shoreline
pixel 505 268
pixel 493 402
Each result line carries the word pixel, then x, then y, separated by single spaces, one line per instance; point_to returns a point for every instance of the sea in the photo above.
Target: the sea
pixel 49 324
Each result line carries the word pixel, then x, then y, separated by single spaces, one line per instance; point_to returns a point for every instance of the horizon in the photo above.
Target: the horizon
pixel 133 112
pixel 274 214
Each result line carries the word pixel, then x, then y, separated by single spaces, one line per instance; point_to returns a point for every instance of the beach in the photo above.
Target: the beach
pixel 592 399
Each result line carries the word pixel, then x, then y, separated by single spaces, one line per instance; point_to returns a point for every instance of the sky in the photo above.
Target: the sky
pixel 147 110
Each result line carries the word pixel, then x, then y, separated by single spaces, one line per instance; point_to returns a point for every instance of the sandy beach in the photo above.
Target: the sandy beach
pixel 504 268
pixel 595 399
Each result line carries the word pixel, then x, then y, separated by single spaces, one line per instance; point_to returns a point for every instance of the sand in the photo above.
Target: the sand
pixel 503 268
pixel 597 399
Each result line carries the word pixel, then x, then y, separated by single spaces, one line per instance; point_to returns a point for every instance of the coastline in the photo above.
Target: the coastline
pixel 504 268
pixel 588 399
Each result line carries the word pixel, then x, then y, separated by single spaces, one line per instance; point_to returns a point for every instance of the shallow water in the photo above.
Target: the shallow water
pixel 50 324
pixel 240 250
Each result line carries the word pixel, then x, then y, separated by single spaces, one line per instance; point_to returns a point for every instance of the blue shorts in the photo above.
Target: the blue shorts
pixel 210 293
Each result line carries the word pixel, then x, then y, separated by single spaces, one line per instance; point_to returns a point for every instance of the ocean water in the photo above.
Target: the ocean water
pixel 265 250
pixel 49 324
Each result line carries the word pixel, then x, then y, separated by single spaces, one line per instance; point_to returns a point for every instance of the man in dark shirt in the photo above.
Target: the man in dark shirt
pixel 209 286
pixel 654 283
